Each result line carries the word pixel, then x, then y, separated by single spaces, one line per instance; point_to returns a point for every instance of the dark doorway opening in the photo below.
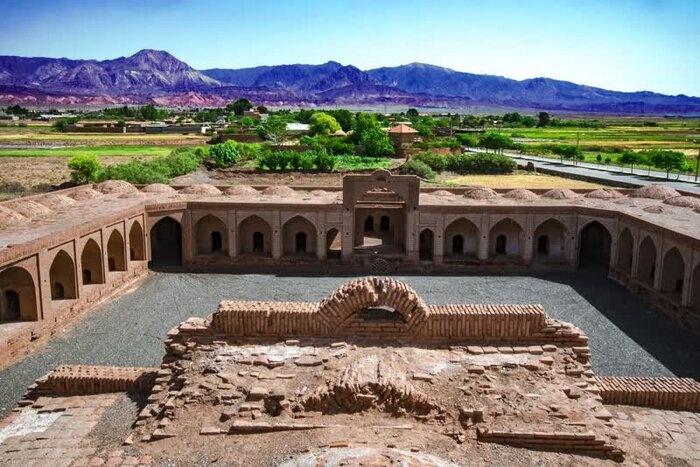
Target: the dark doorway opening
pixel 369 224
pixel 258 242
pixel 543 245
pixel 12 305
pixel 594 250
pixel 300 242
pixel 166 243
pixel 501 242
pixel 216 242
pixel 384 223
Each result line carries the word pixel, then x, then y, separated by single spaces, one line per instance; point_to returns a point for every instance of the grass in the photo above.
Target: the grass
pixel 99 151
pixel 352 163
pixel 517 180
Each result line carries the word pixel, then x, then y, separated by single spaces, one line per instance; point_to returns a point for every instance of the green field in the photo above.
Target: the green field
pixel 99 151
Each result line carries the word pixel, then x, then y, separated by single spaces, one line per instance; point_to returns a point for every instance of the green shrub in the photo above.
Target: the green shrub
pixel 415 167
pixel 325 162
pixel 481 163
pixel 84 168
pixel 139 172
pixel 180 163
pixel 451 143
pixel 466 139
pixel 437 162
pixel 225 154
pixel 292 160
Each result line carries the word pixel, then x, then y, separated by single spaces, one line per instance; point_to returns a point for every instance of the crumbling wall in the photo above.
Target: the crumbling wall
pixel 659 393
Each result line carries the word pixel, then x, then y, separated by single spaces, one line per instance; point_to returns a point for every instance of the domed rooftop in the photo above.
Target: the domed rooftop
pixel 201 189
pixel 158 188
pixel 521 194
pixel 660 192
pixel 684 201
pixel 560 193
pixel 480 193
pixel 28 207
pixel 56 202
pixel 8 216
pixel 604 193
pixel 655 209
pixel 84 193
pixel 278 190
pixel 443 194
pixel 241 190
pixel 116 186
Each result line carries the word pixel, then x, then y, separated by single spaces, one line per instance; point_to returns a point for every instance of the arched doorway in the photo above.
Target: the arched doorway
pixel 625 246
pixel 91 261
pixel 254 237
pixel 646 261
pixel 461 239
pixel 505 239
pixel 425 245
pixel 594 246
pixel 136 250
pixel 673 272
pixel 695 290
pixel 17 295
pixel 384 224
pixel 369 224
pixel 334 244
pixel 115 252
pixel 550 240
pixel 166 243
pixel 210 236
pixel 298 235
pixel 62 277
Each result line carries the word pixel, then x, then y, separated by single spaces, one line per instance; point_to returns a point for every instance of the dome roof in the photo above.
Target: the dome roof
pixel 560 193
pixel 201 189
pixel 480 193
pixel 115 186
pixel 521 194
pixel 660 192
pixel 604 193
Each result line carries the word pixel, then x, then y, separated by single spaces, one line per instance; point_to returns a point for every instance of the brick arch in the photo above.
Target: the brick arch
pixel 136 245
pixel 550 239
pixel 646 264
pixel 254 236
pixel 62 277
pixel 672 272
pixel 292 229
pixel 211 235
pixel 17 295
pixel 354 296
pixel 116 258
pixel 625 250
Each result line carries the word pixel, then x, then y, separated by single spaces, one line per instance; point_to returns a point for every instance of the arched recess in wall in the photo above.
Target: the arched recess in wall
pixel 116 259
pixel 594 246
pixel 254 236
pixel 62 277
pixel 211 236
pixel 673 272
pixel 461 239
pixel 334 244
pixel 136 246
pixel 91 262
pixel 298 236
pixel 625 247
pixel 425 245
pixel 646 261
pixel 549 240
pixel 17 295
pixel 695 289
pixel 166 243
pixel 505 239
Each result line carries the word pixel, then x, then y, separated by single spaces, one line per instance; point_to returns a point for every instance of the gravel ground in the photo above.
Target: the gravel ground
pixel 627 338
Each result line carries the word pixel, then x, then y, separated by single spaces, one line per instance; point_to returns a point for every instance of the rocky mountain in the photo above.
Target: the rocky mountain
pixel 152 76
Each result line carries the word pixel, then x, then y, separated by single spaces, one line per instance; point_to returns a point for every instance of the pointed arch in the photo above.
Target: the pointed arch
pixel 254 236
pixel 625 250
pixel 425 245
pixel 461 238
pixel 550 240
pixel 211 236
pixel 505 238
pixel 116 259
pixel 136 245
pixel 166 243
pixel 62 277
pixel 298 236
pixel 594 246
pixel 91 262
pixel 17 295
pixel 646 264
pixel 334 244
pixel 673 272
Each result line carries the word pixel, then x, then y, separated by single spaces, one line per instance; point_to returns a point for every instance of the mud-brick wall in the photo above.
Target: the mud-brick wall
pixel 253 319
pixel 660 393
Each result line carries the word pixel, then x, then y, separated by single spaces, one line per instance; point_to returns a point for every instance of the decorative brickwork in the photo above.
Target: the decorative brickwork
pixel 660 393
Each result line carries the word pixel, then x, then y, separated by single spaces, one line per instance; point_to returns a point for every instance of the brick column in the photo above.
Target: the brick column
pixel 321 232
pixel 658 271
pixel 412 251
pixel 438 241
pixel 276 235
pixel 687 283
pixel 187 238
pixel 634 273
pixel 526 238
pixel 482 248
pixel 232 225
pixel 348 234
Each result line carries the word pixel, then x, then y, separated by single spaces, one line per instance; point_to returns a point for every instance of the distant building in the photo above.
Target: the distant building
pixel 300 128
pixel 403 134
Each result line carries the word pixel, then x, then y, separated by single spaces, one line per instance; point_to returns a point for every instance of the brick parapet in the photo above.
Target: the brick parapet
pixel 660 393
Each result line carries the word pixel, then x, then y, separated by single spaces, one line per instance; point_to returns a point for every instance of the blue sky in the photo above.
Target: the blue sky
pixel 625 45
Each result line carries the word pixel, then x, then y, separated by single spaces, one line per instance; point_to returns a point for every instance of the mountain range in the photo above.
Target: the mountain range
pixel 157 77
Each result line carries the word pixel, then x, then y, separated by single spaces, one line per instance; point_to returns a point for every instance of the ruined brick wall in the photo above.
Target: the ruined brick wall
pixel 248 318
pixel 659 393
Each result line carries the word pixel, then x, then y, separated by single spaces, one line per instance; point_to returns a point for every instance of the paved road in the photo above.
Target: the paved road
pixel 610 174
pixel 626 337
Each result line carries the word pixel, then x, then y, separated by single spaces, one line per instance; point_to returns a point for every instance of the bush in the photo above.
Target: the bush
pixel 180 161
pixel 437 162
pixel 415 167
pixel 451 143
pixel 466 139
pixel 292 160
pixel 225 154
pixel 481 163
pixel 84 168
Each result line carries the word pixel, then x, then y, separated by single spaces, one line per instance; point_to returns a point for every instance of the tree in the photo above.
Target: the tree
pixel 84 168
pixel 375 142
pixel 239 106
pixel 543 119
pixel 496 141
pixel 667 160
pixel 262 109
pixel 149 112
pixel 344 118
pixel 631 158
pixel 274 130
pixel 412 114
pixel 248 121
pixel 323 124
pixel 362 123
pixel 568 151
pixel 225 154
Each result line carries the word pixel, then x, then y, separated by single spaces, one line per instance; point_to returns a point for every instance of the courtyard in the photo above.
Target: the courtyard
pixel 627 337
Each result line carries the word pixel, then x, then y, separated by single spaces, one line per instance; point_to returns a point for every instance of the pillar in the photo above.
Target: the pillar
pixel 232 226
pixel 348 234
pixel 276 235
pixel 527 246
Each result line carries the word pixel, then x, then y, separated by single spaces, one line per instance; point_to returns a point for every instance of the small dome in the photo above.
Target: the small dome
pixel 116 186
pixel 136 194
pixel 480 193
pixel 521 194
pixel 319 193
pixel 201 189
pixel 655 209
pixel 28 208
pixel 56 202
pixel 278 190
pixel 660 192
pixel 158 188
pixel 684 201
pixel 604 193
pixel 560 193
pixel 443 194
pixel 8 216
pixel 241 190
pixel 84 193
